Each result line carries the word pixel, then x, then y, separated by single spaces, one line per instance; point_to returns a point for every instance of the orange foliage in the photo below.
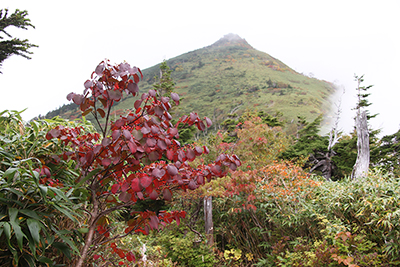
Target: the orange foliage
pixel 284 179
pixel 259 144
pixel 261 177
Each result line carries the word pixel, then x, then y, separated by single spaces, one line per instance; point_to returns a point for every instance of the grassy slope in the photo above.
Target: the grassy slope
pixel 214 80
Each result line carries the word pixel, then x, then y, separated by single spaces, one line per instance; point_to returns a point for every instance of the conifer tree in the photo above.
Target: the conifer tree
pixel 164 84
pixel 310 146
pixel 389 153
pixel 14 46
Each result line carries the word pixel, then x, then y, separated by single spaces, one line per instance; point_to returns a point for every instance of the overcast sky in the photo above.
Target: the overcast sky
pixel 333 40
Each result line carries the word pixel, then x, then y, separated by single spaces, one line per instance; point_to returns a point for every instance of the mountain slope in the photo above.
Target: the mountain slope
pixel 231 76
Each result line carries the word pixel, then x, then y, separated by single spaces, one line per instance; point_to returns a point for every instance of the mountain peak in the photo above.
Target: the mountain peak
pixel 231 39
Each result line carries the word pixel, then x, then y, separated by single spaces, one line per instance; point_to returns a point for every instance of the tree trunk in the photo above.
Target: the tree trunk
pixel 362 163
pixel 208 220
pixel 92 228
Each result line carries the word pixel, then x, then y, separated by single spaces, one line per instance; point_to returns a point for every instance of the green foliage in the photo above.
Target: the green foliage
pixel 356 219
pixel 38 214
pixel 387 153
pixel 164 84
pixel 14 46
pixel 185 250
pixel 345 156
pixel 362 97
pixel 33 217
pixel 298 220
pixel 234 122
pixel 308 143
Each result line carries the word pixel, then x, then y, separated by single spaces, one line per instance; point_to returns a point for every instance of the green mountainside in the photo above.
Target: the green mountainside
pixel 231 76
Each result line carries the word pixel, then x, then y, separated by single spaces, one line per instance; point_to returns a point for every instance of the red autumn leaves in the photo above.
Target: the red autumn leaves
pixel 138 156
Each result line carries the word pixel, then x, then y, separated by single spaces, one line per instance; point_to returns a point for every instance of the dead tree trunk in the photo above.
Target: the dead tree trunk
pixel 209 226
pixel 361 166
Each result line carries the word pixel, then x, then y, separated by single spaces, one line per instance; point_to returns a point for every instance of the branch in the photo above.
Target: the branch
pixel 196 232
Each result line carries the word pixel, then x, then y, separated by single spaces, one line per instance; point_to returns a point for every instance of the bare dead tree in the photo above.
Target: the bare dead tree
pixel 324 161
pixel 361 166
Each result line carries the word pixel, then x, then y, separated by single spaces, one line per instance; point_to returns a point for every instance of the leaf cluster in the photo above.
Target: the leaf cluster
pixel 135 159
pixel 39 213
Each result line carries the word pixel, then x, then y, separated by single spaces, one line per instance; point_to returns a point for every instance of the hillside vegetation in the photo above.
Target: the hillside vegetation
pixel 231 76
pixel 71 196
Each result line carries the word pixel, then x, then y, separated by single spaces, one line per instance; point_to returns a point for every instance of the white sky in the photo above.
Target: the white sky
pixel 331 39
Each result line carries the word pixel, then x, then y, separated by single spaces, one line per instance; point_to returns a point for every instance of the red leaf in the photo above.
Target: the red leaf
pixel 95 257
pixel 153 195
pixel 78 99
pixel 172 170
pixel 154 222
pixel 114 188
pixel 114 95
pixel 170 154
pixel 127 134
pixel 155 129
pixel 125 196
pixel 106 141
pixel 151 142
pixel 119 123
pixel 124 186
pixel 130 256
pixel 116 134
pixel 133 88
pixel 145 130
pixel 208 121
pixel 132 147
pixel 137 134
pixel 140 195
pixel 193 117
pixel 173 131
pixel 192 185
pixel 152 92
pixel 200 179
pixel 159 111
pixel 136 78
pixel 101 112
pixel 137 103
pixel 121 254
pixel 158 173
pixel 146 181
pixel 201 126
pixel 88 84
pixel 167 194
pixel 198 150
pixel 175 97
pixel 104 102
pixel 135 185
pixel 70 96
pixel 154 155
pixel 106 162
pixel 216 169
pixel 161 144
pixel 54 133
pixel 190 154
pixel 99 69
pixel 233 166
